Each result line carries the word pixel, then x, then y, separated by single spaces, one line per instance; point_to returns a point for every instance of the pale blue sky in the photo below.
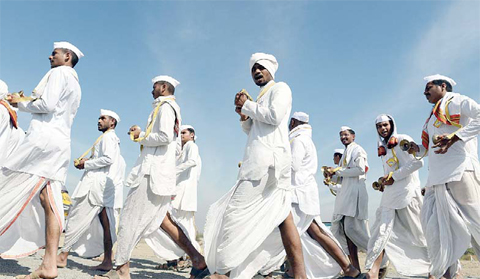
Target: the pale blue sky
pixel 346 62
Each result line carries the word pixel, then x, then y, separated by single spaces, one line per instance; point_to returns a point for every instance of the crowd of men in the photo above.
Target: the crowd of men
pixel 420 234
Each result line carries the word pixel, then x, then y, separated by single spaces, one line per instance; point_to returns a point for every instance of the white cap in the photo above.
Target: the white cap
pixel 301 116
pixel 110 113
pixel 69 46
pixel 184 127
pixel 439 77
pixel 345 128
pixel 338 150
pixel 266 60
pixel 3 89
pixel 168 79
pixel 382 118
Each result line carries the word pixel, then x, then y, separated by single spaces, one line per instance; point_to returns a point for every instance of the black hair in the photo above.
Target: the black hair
pixel 337 154
pixel 439 83
pixel 74 56
pixel 170 87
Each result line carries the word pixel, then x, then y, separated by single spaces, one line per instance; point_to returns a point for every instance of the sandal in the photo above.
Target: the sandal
pixel 199 273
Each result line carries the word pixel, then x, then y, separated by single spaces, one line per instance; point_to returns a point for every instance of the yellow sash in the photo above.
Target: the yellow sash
pixel 264 90
pixel 91 149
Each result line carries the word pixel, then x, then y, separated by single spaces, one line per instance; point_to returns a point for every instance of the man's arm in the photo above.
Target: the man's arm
pixel 276 111
pixel 298 153
pixel 471 109
pixel 109 148
pixel 50 97
pixel 410 167
pixel 164 135
pixel 246 125
pixel 192 157
pixel 357 170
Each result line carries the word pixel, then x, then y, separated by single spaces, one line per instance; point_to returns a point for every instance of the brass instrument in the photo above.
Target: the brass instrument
pixel 240 164
pixel 328 180
pixel 406 145
pixel 19 95
pixel 379 185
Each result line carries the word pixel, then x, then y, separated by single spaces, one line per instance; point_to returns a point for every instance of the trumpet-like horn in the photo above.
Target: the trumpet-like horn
pixel 405 145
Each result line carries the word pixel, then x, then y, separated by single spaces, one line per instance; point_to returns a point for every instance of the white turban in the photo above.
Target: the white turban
pixel 168 79
pixel 439 77
pixel 345 128
pixel 110 113
pixel 338 150
pixel 301 116
pixel 3 89
pixel 69 46
pixel 266 60
pixel 382 118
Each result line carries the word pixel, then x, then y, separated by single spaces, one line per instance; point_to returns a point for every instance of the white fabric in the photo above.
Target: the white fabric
pixel 345 128
pixel 267 129
pixel 110 113
pixel 22 217
pixel 338 150
pixel 46 148
pixel 355 229
pixel 104 173
pixel 439 77
pixel 69 46
pixel 161 243
pixel 301 116
pixel 84 231
pixel 168 79
pixel 352 197
pixel 266 60
pixel 461 156
pixel 234 239
pixel 3 89
pixel 399 232
pixel 10 137
pixel 382 118
pixel 143 213
pixel 157 158
pixel 304 169
pixel 189 168
pixel 451 221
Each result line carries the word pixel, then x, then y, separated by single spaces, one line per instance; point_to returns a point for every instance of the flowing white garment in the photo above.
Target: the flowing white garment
pixel 84 231
pixel 355 229
pixel 142 214
pixel 163 246
pixel 451 222
pixel 10 137
pixel 241 232
pixel 22 217
pixel 399 232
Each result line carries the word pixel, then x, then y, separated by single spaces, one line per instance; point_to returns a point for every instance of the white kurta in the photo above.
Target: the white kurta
pixel 41 161
pixel 451 214
pixel 97 189
pixel 152 181
pixel 241 232
pixel 10 137
pixel 350 214
pixel 397 228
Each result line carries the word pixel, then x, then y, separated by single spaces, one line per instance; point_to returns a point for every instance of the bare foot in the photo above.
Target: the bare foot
pixel 370 275
pixel 121 275
pixel 45 272
pixel 103 267
pixel 62 259
pixel 351 271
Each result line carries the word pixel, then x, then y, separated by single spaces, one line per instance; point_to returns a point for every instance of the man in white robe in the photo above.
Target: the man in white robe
pixel 451 209
pixel 11 134
pixel 397 231
pixel 350 214
pixel 31 215
pixel 245 228
pixel 152 181
pixel 335 182
pixel 184 205
pixel 91 226
pixel 323 255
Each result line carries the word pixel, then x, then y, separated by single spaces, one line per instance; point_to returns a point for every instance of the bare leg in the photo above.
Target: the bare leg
pixel 48 268
pixel 293 246
pixel 353 251
pixel 62 259
pixel 373 272
pixel 107 242
pixel 177 235
pixel 316 232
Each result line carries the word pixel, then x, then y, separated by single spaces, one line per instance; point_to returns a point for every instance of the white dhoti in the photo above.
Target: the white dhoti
pixel 161 243
pixel 142 214
pixel 399 232
pixel 84 232
pixel 241 231
pixel 22 217
pixel 355 229
pixel 451 221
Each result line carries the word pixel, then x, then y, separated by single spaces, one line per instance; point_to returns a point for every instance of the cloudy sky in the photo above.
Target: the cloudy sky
pixel 345 61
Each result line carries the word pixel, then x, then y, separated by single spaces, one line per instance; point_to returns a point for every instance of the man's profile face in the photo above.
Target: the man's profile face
pixel 186 136
pixel 434 93
pixel 104 123
pixel 157 90
pixel 292 124
pixel 260 75
pixel 346 137
pixel 336 158
pixel 58 58
pixel 384 129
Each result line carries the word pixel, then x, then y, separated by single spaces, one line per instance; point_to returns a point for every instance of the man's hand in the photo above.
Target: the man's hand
pixel 13 99
pixel 135 131
pixel 81 164
pixel 444 143
pixel 240 99
pixel 413 148
pixel 387 181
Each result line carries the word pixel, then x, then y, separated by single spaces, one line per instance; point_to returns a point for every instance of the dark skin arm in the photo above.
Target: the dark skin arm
pixel 445 143
pixel 239 101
